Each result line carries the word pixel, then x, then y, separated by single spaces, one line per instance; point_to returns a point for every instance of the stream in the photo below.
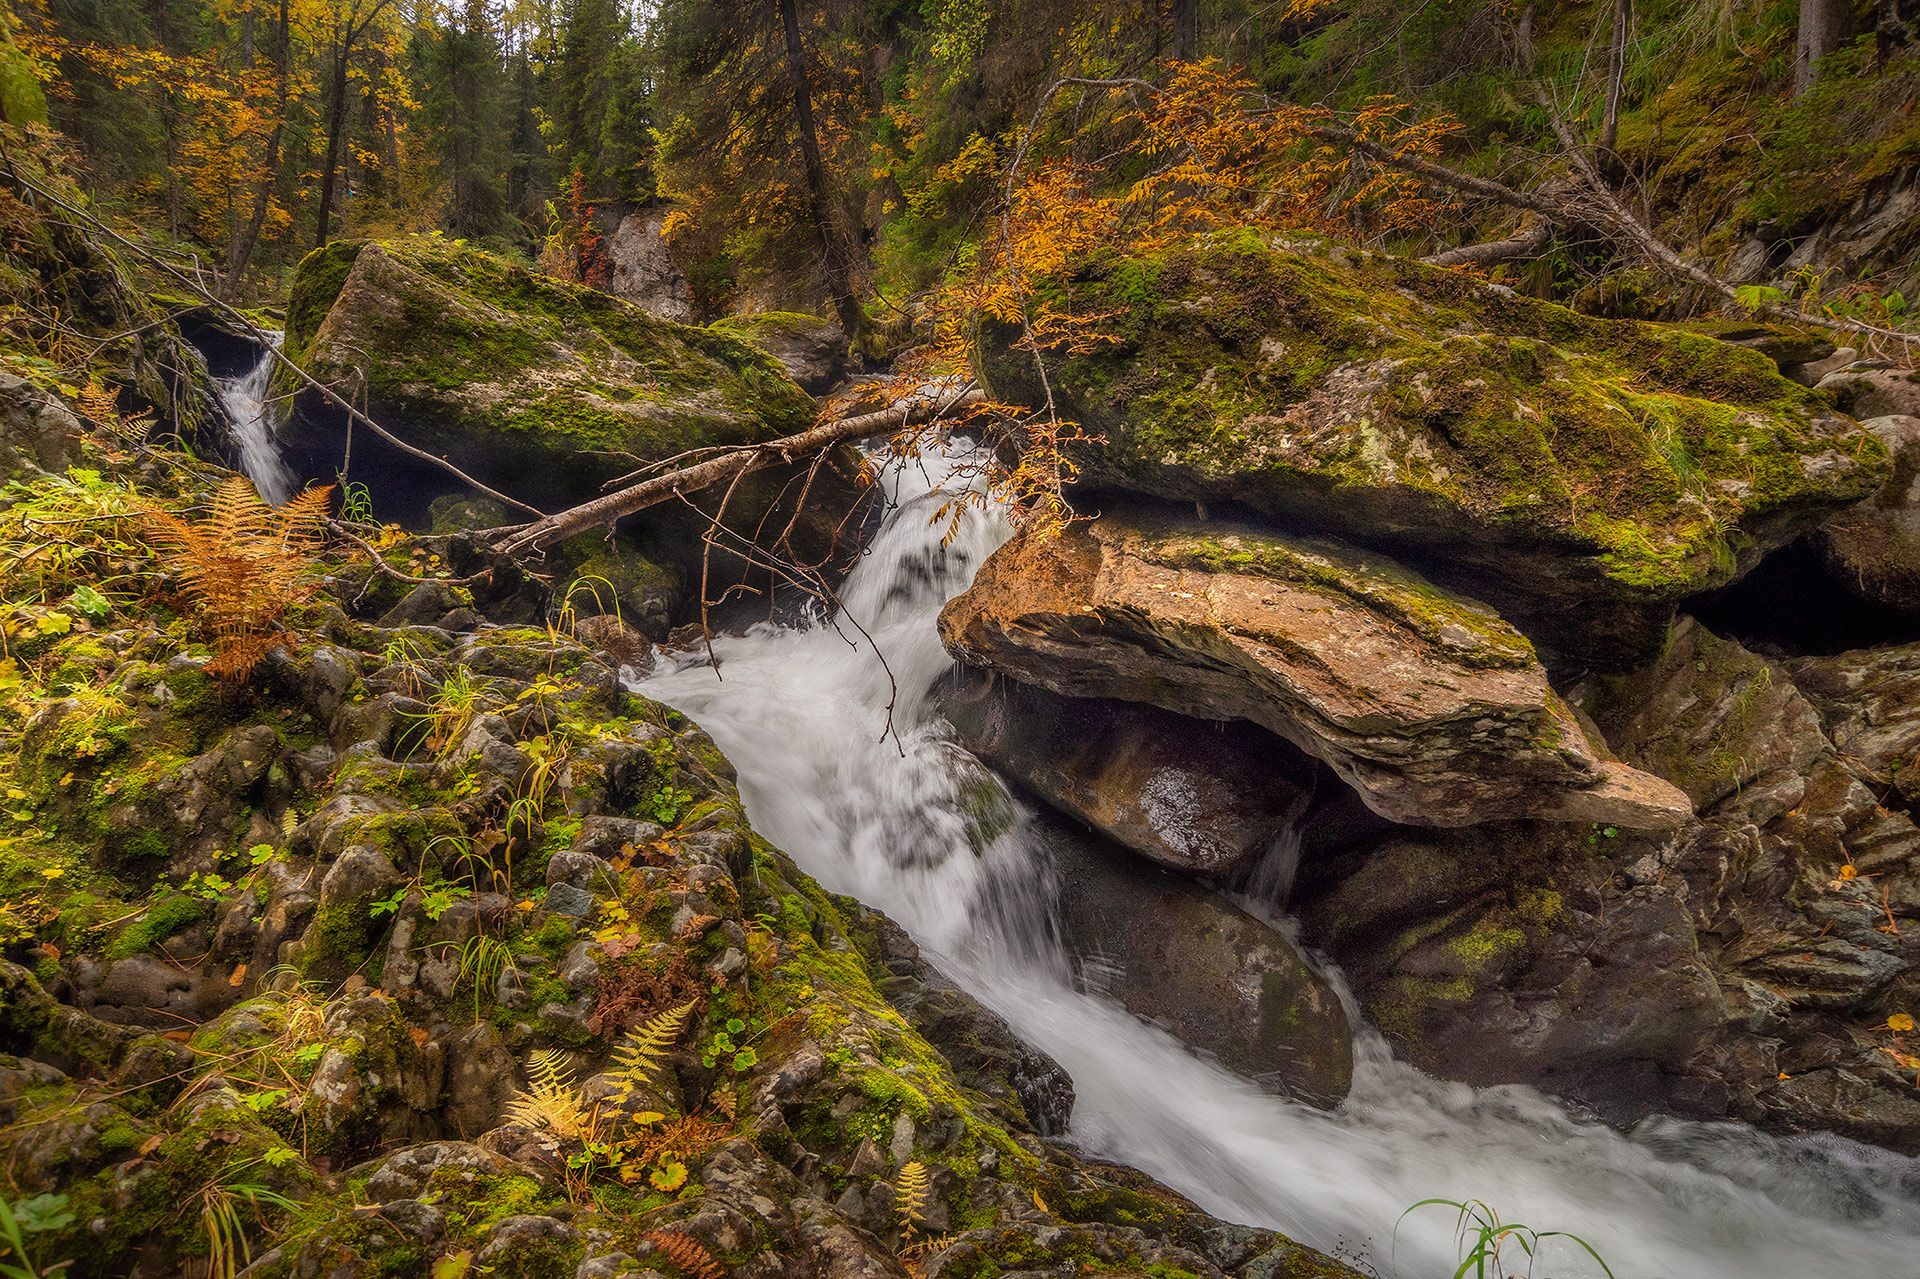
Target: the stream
pixel 802 711
pixel 245 402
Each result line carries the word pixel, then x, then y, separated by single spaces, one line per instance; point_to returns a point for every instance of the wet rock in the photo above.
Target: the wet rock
pixel 408 1173
pixel 536 1247
pixel 1193 795
pixel 1218 979
pixel 1872 392
pixel 375 1083
pixel 977 1041
pixel 479 1079
pixel 1874 548
pixel 1869 706
pixel 37 431
pixel 1428 704
pixel 1737 967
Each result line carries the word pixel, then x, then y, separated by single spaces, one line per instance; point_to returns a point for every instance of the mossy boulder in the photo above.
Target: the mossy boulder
pixel 813 351
pixel 1427 703
pixel 549 391
pixel 1581 474
pixel 543 388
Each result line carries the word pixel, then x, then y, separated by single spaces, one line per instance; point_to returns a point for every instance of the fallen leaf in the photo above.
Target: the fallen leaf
pixel 238 975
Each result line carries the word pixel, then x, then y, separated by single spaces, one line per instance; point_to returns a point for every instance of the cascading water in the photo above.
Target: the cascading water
pixel 245 402
pixel 803 713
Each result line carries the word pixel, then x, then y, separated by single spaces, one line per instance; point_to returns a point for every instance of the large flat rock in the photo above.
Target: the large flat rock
pixel 1427 703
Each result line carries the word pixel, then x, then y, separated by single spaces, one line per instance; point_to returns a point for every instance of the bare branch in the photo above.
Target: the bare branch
pixel 926 405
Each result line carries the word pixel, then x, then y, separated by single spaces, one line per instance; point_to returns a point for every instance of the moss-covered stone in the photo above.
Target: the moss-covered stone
pixel 544 386
pixel 1545 456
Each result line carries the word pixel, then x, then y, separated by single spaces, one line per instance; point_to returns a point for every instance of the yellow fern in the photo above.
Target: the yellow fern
pixel 910 1192
pixel 639 1059
pixel 550 1100
pixel 243 567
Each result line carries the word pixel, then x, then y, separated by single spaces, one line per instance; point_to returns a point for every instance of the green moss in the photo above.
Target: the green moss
pixel 315 285
pixel 1486 945
pixel 1317 382
pixel 162 920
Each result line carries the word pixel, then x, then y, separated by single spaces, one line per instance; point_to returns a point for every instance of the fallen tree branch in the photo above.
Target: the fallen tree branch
pixel 1524 245
pixel 924 406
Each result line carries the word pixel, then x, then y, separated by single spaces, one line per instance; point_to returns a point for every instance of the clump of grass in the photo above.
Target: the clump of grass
pixel 1482 1237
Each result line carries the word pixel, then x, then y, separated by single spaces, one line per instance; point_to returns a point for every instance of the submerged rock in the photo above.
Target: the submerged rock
pixel 1581 474
pixel 1427 703
pixel 1193 795
pixel 1218 979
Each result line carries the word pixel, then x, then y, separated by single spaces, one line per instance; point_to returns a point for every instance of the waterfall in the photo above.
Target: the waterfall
pixel 882 813
pixel 249 416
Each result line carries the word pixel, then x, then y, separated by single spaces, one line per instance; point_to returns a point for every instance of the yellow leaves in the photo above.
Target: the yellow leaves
pixel 669 1175
pixel 911 1190
pixel 1900 1023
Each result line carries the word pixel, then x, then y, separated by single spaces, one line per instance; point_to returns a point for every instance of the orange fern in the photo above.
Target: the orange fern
pixel 243 567
pixel 688 1255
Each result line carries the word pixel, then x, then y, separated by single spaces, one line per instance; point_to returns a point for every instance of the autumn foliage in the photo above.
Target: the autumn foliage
pixel 243 566
pixel 1217 156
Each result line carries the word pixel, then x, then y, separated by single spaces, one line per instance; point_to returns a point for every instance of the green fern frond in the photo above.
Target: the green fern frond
pixel 639 1059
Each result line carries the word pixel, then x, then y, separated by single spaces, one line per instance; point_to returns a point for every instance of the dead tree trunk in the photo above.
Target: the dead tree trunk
pixel 1616 71
pixel 833 257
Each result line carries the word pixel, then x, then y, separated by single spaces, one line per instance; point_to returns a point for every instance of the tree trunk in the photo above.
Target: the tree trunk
pixel 1185 46
pixel 1824 26
pixel 240 255
pixel 1616 71
pixel 833 258
pixel 336 128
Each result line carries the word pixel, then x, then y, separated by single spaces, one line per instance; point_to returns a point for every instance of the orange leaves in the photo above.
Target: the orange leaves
pixel 1203 152
pixel 243 567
